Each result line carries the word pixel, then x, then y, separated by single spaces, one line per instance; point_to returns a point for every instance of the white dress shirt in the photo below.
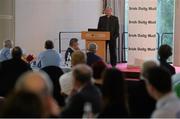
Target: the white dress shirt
pixel 167 107
pixel 5 54
pixel 66 83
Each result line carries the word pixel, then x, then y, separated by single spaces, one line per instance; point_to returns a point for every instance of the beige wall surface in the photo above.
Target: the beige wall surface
pixel 6 20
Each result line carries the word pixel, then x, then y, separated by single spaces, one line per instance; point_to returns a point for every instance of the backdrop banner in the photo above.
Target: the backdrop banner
pixel 142 43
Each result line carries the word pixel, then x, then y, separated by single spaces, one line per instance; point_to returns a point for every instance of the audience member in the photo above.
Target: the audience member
pixel 98 68
pixel 38 82
pixel 114 95
pixel 91 55
pixel 10 70
pixel 23 105
pixel 158 83
pixel 141 104
pixel 49 57
pixel 5 52
pixel 66 80
pixel 73 46
pixel 165 51
pixel 86 92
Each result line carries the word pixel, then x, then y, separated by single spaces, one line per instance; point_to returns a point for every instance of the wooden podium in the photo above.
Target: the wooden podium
pixel 99 38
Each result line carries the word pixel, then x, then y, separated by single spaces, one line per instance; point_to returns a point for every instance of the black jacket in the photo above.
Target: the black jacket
pixel 75 106
pixel 10 70
pixel 110 24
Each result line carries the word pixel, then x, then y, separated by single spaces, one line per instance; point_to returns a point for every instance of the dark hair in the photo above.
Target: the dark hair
pixel 49 44
pixel 98 68
pixel 113 88
pixel 72 41
pixel 160 79
pixel 82 73
pixel 22 104
pixel 16 52
pixel 165 51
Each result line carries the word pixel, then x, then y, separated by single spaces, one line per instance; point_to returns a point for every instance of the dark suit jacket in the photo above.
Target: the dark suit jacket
pixel 69 50
pixel 75 106
pixel 113 26
pixel 141 104
pixel 92 58
pixel 10 70
pixel 167 66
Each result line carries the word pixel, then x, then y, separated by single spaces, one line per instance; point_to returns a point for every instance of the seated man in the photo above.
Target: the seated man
pixel 158 84
pixel 5 52
pixel 73 46
pixel 49 57
pixel 91 55
pixel 86 96
pixel 10 71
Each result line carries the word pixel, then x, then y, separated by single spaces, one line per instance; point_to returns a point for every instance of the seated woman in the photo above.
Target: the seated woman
pixel 165 51
pixel 98 68
pixel 114 95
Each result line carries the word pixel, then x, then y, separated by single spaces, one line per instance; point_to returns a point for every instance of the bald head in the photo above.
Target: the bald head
pixel 37 82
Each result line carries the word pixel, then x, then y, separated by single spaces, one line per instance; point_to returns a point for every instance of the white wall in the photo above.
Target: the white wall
pixel 39 20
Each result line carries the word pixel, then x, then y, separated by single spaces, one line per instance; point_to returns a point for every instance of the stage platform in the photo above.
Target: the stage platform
pixel 133 73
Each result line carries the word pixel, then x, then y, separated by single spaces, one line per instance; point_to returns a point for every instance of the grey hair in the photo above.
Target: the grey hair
pixel 22 79
pixel 92 47
pixel 7 43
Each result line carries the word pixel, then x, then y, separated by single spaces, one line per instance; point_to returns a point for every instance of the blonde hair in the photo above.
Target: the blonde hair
pixel 78 57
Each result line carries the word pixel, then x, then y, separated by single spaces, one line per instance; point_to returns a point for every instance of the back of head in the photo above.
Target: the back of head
pixel 147 65
pixel 98 68
pixel 82 73
pixel 78 57
pixel 165 51
pixel 72 41
pixel 159 78
pixel 92 47
pixel 35 81
pixel 113 85
pixel 17 52
pixel 8 43
pixel 23 104
pixel 49 44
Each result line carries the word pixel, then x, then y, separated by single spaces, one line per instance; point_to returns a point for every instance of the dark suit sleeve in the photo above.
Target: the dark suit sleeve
pixel 73 108
pixel 116 28
pixel 100 23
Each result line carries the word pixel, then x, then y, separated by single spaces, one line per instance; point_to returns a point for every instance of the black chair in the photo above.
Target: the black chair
pixel 54 73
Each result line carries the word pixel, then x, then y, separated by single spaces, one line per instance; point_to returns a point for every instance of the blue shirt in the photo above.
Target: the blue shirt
pixel 5 54
pixel 49 57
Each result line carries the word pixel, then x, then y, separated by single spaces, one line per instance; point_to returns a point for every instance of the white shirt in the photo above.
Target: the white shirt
pixel 167 107
pixel 66 83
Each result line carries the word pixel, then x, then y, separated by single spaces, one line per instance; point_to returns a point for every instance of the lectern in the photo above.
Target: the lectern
pixel 99 38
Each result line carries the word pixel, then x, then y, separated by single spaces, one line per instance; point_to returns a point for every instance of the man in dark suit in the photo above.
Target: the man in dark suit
pixel 73 46
pixel 110 23
pixel 84 93
pixel 10 70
